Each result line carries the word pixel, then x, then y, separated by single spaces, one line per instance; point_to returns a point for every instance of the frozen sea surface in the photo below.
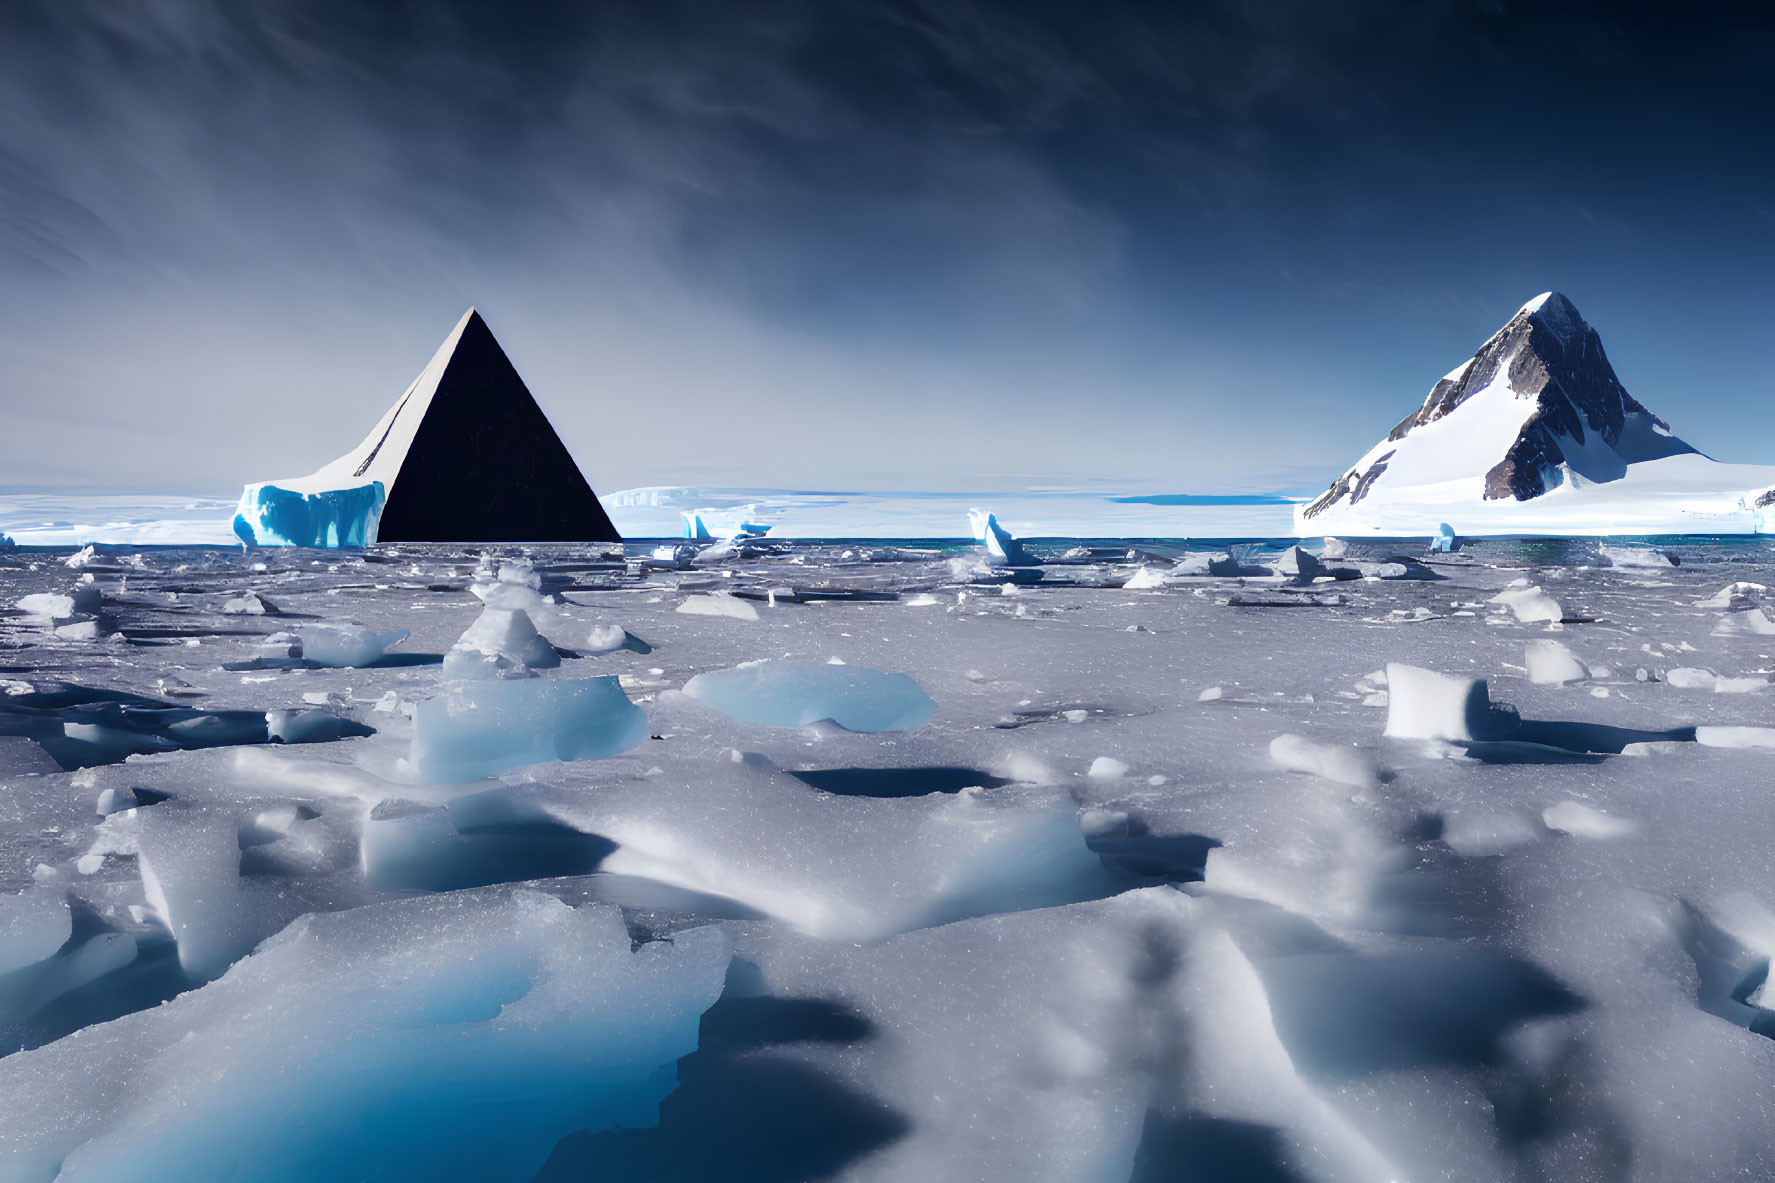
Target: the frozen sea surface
pixel 1169 885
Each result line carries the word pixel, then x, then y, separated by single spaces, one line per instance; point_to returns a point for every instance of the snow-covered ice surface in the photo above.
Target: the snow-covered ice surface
pixel 1236 873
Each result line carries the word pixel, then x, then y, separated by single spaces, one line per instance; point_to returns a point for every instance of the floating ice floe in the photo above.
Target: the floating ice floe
pixel 718 604
pixel 84 602
pixel 458 1036
pixel 1532 605
pixel 475 729
pixel 337 646
pixel 1735 737
pixel 1424 704
pixel 786 693
pixel 1551 663
pixel 1694 678
pixel 1639 556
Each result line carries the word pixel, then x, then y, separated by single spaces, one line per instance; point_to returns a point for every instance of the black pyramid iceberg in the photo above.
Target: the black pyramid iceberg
pixel 464 455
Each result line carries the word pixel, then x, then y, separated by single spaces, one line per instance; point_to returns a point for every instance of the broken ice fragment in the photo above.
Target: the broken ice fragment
pixel 796 693
pixel 1423 704
pixel 476 729
pixel 718 604
pixel 1531 604
pixel 1552 664
pixel 449 1037
pixel 501 643
pixel 343 645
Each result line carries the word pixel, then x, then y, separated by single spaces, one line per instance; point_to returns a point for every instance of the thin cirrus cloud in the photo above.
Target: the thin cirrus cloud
pixel 1211 247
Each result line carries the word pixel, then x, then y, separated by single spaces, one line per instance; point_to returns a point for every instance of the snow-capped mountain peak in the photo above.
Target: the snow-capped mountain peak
pixel 1538 407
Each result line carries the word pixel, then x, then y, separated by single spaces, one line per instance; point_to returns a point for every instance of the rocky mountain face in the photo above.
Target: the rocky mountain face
pixel 1576 417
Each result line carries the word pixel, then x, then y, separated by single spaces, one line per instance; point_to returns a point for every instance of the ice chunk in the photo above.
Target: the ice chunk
pixel 7 543
pixel 1337 762
pixel 85 556
pixel 47 605
pixel 1693 678
pixel 190 865
pixel 79 630
pixel 344 645
pixel 718 604
pixel 1553 664
pixel 1147 577
pixel 1001 547
pixel 248 604
pixel 1445 541
pixel 33 925
pixel 1737 595
pixel 301 726
pixel 450 1037
pixel 1107 768
pixel 1424 704
pixel 501 643
pixel 1735 737
pixel 796 693
pixel 476 729
pixel 1531 605
pixel 1639 556
pixel 697 526
pixel 1750 622
pixel 272 516
pixel 605 638
pixel 1300 566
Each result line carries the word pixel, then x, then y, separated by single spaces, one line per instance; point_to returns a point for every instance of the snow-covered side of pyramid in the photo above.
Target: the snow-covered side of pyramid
pixel 464 455
pixel 1536 435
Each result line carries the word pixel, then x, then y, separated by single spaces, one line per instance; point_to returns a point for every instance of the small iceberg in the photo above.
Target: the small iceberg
pixel 1001 547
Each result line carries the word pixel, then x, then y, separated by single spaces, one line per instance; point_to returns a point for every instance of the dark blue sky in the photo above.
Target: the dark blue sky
pixel 1218 246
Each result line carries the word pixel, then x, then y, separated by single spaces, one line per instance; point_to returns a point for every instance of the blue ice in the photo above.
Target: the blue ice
pixel 796 693
pixel 1001 547
pixel 273 516
pixel 476 729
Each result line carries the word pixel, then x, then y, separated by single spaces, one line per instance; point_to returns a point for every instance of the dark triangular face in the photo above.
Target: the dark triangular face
pixel 486 466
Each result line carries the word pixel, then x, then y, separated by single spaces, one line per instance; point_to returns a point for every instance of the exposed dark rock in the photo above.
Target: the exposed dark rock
pixel 1548 354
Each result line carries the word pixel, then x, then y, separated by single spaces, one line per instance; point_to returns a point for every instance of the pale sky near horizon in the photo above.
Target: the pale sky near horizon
pixel 1204 247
